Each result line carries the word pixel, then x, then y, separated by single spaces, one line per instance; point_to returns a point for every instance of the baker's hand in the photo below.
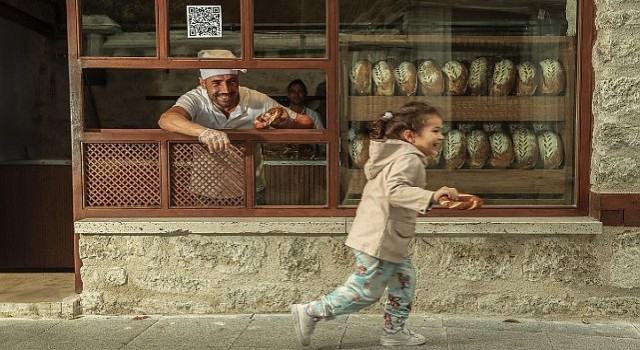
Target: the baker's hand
pixel 215 140
pixel 276 117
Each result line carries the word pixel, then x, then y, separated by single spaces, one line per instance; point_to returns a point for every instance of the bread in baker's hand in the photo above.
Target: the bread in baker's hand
pixel 480 73
pixel 405 75
pixel 502 153
pixel 360 78
pixel 276 117
pixel 504 77
pixel 553 77
pixel 454 149
pixel 525 146
pixel 456 77
pixel 528 78
pixel 551 149
pixel 478 148
pixel 384 83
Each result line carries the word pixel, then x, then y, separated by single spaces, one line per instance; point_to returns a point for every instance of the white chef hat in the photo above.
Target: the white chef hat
pixel 206 73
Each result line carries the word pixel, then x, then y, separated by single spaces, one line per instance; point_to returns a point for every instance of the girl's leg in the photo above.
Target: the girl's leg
pixel 400 294
pixel 363 288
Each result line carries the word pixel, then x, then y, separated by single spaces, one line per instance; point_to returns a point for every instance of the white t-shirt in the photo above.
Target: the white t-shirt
pixel 202 111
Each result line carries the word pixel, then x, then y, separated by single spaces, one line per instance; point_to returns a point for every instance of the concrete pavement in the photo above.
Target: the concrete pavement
pixel 274 331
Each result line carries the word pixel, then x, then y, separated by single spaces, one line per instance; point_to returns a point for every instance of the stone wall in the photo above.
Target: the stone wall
pixel 542 268
pixel 616 98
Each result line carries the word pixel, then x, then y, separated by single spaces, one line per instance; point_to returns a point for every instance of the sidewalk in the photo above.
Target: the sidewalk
pixel 274 331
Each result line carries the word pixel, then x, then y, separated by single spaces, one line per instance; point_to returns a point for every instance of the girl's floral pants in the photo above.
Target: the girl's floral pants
pixel 366 286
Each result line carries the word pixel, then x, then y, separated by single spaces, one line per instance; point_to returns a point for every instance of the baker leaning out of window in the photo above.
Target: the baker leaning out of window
pixel 219 102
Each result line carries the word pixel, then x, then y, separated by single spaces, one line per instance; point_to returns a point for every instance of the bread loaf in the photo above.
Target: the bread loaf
pixel 467 127
pixel 405 75
pixel 502 153
pixel 491 127
pixel 504 77
pixel 446 127
pixel 456 76
pixel 430 78
pixel 514 126
pixel 360 77
pixel 359 148
pixel 525 147
pixel 528 79
pixel 478 148
pixel 454 149
pixel 542 126
pixel 551 149
pixel 383 80
pixel 553 78
pixel 480 72
pixel 434 160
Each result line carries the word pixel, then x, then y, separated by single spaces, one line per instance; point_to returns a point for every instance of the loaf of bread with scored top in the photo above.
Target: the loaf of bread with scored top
pixel 503 79
pixel 456 76
pixel 384 83
pixel 360 78
pixel 467 127
pixel 525 146
pixel 454 149
pixel 528 78
pixel 490 127
pixel 406 78
pixel 551 149
pixel 430 78
pixel 359 148
pixel 502 153
pixel 478 148
pixel 480 73
pixel 553 77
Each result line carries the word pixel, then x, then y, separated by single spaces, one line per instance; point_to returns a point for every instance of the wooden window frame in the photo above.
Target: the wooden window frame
pixel 329 64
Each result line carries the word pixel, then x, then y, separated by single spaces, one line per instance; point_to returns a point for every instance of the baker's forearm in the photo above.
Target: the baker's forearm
pixel 175 122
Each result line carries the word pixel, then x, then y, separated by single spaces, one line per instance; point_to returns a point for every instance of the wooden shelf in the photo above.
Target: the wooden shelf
pixel 483 181
pixel 466 108
pixel 392 40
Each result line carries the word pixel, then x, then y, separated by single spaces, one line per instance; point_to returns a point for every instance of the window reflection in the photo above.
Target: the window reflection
pixel 118 28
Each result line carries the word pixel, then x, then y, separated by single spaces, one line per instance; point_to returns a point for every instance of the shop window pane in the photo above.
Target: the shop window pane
pixel 293 173
pixel 196 25
pixel 118 28
pixel 289 29
pixel 502 74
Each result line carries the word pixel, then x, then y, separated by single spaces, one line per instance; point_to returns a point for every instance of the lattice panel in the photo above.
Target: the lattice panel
pixel 200 178
pixel 121 174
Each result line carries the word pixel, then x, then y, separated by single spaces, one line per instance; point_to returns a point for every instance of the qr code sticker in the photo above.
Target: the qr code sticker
pixel 204 21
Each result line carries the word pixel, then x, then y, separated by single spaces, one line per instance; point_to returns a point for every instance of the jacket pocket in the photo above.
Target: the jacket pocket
pixel 402 229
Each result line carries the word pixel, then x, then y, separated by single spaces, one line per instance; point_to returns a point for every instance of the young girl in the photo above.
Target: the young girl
pixel 384 225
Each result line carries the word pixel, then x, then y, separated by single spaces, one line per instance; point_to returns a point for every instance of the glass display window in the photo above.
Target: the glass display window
pixel 502 75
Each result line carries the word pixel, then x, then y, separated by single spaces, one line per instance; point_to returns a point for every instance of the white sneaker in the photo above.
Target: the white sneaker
pixel 404 337
pixel 302 323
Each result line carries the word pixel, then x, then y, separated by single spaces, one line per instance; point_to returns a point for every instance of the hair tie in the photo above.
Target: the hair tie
pixel 387 115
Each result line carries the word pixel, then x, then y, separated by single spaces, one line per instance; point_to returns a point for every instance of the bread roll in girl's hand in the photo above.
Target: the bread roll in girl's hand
pixel 464 202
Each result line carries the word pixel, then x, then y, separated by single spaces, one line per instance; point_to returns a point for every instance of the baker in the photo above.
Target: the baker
pixel 219 102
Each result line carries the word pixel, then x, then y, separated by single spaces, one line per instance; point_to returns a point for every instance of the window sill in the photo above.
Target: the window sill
pixel 337 226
